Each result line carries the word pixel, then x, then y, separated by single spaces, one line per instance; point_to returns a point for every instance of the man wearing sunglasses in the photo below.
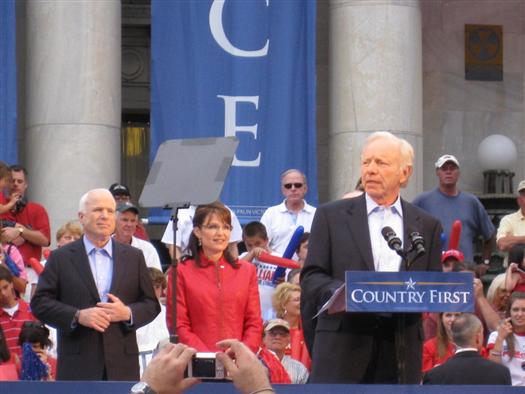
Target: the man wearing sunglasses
pixel 282 220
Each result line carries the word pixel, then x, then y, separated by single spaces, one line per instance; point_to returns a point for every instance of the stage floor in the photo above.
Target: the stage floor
pixel 227 388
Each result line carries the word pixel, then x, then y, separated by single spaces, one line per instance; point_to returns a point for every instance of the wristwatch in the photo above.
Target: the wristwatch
pixel 142 388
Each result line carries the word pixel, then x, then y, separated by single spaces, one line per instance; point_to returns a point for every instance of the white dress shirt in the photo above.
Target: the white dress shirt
pixel 379 216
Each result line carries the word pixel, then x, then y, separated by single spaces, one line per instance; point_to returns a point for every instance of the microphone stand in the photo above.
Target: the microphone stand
pixel 400 337
pixel 400 332
pixel 174 338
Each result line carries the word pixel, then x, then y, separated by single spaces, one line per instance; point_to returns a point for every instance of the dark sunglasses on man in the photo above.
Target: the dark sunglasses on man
pixel 296 185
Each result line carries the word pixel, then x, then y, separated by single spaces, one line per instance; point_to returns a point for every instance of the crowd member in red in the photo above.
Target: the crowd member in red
pixel 276 338
pixel 450 258
pixel 31 230
pixel 286 301
pixel 14 311
pixel 37 335
pixel 217 295
pixel 440 348
pixel 8 366
pixel 452 261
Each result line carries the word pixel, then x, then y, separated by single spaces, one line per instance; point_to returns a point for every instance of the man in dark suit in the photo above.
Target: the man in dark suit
pixel 96 292
pixel 467 366
pixel 346 235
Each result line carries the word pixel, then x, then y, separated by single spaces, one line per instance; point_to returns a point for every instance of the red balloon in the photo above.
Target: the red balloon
pixel 455 235
pixel 279 261
pixel 35 264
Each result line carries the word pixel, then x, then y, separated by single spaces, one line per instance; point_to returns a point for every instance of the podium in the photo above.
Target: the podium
pixel 396 294
pixel 403 292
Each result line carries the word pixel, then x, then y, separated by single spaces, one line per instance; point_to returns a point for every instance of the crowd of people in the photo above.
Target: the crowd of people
pixel 98 306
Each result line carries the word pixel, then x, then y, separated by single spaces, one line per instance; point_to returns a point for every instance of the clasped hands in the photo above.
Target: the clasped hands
pixel 103 314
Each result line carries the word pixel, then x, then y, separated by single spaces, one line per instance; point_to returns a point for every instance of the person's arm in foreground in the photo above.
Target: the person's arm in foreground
pixel 165 372
pixel 248 374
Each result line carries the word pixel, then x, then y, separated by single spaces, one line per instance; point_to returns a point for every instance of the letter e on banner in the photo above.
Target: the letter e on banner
pixel 231 128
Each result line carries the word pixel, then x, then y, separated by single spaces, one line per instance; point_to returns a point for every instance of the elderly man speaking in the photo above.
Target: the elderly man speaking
pixel 96 292
pixel 345 236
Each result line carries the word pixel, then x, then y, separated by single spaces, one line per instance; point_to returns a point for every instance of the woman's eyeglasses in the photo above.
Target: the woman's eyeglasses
pixel 296 185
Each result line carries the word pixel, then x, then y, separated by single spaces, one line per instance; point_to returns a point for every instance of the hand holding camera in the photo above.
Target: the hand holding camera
pixel 246 371
pixel 165 372
pixel 504 328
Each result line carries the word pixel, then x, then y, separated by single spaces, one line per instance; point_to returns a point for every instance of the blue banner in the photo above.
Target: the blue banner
pixel 368 291
pixel 245 69
pixel 8 114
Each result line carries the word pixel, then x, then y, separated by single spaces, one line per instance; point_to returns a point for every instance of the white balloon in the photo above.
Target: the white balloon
pixel 497 152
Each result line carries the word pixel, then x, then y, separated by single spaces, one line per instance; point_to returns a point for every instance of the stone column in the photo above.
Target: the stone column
pixel 375 83
pixel 73 101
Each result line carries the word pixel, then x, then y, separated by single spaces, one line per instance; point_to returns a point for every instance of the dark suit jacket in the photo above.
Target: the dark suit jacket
pixel 468 368
pixel 67 285
pixel 340 242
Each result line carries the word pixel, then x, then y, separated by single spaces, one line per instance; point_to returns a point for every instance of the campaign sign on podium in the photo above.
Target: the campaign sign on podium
pixel 406 291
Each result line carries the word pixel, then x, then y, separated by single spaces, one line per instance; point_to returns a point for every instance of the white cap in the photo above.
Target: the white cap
pixel 521 186
pixel 443 159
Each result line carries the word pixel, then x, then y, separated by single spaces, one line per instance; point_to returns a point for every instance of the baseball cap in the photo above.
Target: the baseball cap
pixel 118 189
pixel 458 255
pixel 443 159
pixel 521 186
pixel 127 206
pixel 276 323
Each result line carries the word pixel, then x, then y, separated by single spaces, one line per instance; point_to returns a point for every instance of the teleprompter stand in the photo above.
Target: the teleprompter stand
pixel 186 172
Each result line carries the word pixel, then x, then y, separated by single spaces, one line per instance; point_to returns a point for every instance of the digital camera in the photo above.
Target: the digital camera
pixel 205 366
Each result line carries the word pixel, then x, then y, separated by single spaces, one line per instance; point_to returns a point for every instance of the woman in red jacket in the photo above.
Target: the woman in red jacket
pixel 439 349
pixel 217 295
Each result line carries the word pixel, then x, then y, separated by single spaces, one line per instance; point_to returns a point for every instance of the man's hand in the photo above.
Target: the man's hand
pixel 478 288
pixel 247 372
pixel 116 310
pixel 165 372
pixel 10 234
pixel 96 318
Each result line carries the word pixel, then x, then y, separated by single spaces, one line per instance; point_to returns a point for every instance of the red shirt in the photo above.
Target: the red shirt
pixel 216 302
pixel 298 349
pixel 34 217
pixel 140 232
pixel 12 325
pixel 430 354
pixel 9 215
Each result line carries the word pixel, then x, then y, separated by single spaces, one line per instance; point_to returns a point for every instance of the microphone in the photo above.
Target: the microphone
pixel 418 243
pixel 392 239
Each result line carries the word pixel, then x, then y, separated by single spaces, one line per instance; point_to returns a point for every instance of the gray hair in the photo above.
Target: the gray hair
pixel 406 151
pixel 464 328
pixel 291 170
pixel 84 199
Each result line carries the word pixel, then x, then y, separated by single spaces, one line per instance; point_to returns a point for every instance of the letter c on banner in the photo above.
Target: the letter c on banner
pixel 217 31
